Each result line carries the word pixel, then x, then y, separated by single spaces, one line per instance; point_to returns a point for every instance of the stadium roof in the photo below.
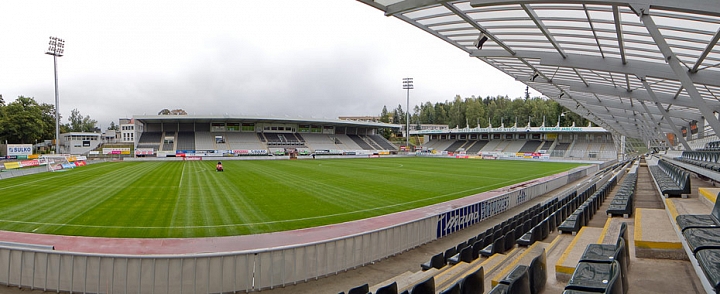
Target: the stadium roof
pixel 639 69
pixel 250 119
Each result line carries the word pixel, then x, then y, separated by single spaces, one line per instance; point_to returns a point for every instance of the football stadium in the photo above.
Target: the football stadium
pixel 240 204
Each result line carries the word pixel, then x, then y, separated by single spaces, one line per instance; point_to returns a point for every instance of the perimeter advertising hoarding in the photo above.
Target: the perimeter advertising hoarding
pixel 116 151
pixel 19 149
pixel 463 217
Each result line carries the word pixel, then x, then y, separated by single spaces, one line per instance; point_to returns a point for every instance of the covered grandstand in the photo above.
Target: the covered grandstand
pixel 587 143
pixel 170 136
pixel 646 70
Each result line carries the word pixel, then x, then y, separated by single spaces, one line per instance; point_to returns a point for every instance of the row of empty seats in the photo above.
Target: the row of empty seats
pixel 472 283
pixel 623 202
pixel 712 146
pixel 583 207
pixel 602 268
pixel 525 279
pixel 705 159
pixel 672 180
pixel 702 234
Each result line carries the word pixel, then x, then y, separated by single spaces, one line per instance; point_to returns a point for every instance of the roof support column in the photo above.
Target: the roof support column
pixel 677 68
pixel 665 114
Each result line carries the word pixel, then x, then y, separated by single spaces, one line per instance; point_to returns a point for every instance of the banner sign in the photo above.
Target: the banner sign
pixel 460 218
pixel 192 158
pixel 249 152
pixel 19 149
pixel 144 151
pixel 12 165
pixel 116 151
pixel 26 163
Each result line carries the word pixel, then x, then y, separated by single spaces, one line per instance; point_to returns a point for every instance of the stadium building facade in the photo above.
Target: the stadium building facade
pixel 185 135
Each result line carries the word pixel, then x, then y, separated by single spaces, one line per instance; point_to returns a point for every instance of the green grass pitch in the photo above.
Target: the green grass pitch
pixel 191 199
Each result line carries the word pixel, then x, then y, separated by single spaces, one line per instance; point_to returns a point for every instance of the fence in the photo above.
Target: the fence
pixel 251 270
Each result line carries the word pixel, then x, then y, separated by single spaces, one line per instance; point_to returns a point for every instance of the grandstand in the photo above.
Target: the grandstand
pixel 223 136
pixel 641 225
pixel 558 143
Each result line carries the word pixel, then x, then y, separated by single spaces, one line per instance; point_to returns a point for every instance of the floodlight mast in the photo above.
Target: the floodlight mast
pixel 56 49
pixel 408 85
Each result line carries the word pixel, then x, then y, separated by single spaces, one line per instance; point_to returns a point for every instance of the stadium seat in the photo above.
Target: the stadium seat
pixel 702 238
pixel 454 289
pixel 529 238
pixel 450 252
pixel 437 261
pixel 712 220
pixel 425 287
pixel 595 277
pixel 364 289
pixel 518 280
pixel 465 255
pixel 388 289
pixel 509 241
pixel 473 283
pixel 573 223
pixel 538 273
pixel 496 247
pixel 471 241
pixel 709 261
pixel 544 229
pixel 604 253
pixel 460 247
pixel 476 249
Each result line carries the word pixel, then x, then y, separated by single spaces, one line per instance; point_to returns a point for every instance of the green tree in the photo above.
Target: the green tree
pixel 25 121
pixel 113 126
pixel 398 115
pixel 80 123
pixel 384 115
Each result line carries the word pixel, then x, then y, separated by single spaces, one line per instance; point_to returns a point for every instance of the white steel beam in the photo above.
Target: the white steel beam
pixel 667 118
pixel 680 71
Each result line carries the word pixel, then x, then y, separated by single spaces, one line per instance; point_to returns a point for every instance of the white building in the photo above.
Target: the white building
pixel 79 142
pixel 127 130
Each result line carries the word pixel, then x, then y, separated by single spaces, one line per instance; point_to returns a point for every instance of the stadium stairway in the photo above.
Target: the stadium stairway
pixel 655 264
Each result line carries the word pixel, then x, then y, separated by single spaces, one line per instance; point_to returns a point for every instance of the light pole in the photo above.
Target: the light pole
pixel 562 114
pixel 56 49
pixel 408 85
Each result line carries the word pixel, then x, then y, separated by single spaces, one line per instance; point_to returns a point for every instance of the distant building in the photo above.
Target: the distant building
pixel 79 142
pixel 127 130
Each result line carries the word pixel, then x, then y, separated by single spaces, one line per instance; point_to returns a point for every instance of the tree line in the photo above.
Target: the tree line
pixel 26 121
pixel 483 112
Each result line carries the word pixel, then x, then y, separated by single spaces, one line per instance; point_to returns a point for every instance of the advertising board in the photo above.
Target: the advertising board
pixel 19 149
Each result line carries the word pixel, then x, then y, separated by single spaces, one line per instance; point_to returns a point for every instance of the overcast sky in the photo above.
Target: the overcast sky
pixel 321 58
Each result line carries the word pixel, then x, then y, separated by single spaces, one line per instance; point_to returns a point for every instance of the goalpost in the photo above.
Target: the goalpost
pixel 56 162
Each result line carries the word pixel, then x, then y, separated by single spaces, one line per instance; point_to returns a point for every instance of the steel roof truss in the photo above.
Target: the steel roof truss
pixel 680 72
pixel 667 118
pixel 705 53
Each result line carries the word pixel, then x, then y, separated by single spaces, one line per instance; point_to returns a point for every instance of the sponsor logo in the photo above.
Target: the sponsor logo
pixel 522 197
pixel 461 220
pixel 462 217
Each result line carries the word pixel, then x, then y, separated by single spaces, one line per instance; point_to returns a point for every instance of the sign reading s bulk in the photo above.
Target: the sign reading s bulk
pixel 460 218
pixel 19 149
